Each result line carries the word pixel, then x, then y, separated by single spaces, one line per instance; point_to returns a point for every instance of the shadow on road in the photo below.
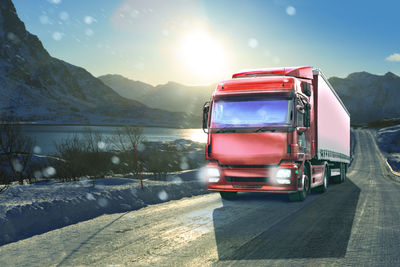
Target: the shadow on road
pixel 87 240
pixel 320 227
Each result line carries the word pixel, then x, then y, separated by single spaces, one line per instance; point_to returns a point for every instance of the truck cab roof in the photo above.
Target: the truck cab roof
pixel 282 84
pixel 304 72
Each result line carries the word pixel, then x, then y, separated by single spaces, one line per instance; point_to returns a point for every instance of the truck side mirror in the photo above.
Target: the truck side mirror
pixel 307 117
pixel 301 130
pixel 206 108
pixel 306 88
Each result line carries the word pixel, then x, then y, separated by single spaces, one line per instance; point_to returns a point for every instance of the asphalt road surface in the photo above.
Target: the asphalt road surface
pixel 356 223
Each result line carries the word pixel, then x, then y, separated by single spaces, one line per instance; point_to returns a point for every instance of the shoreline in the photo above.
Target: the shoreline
pixel 98 125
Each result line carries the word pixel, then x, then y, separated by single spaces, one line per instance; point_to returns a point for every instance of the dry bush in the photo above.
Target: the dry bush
pixel 82 156
pixel 125 140
pixel 15 150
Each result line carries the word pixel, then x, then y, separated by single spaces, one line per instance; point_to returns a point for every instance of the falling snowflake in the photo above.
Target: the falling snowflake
pixel 177 180
pixel 134 13
pixel 102 202
pixel 17 165
pixel 55 1
pixel 184 164
pixel 37 150
pixel 115 160
pixel 90 196
pixel 140 147
pixel 253 43
pixel 101 145
pixel 37 174
pixel 44 19
pixel 64 16
pixel 89 20
pixel 290 10
pixel 49 171
pixel 165 33
pixel 57 36
pixel 89 32
pixel 162 195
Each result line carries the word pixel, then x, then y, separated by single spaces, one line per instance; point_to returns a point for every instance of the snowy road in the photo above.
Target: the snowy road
pixel 355 223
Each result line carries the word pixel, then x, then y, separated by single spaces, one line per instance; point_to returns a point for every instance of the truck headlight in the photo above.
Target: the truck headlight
pixel 213 174
pixel 283 176
pixel 283 173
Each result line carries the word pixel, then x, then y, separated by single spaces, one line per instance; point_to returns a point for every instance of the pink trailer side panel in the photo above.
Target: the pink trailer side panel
pixel 333 126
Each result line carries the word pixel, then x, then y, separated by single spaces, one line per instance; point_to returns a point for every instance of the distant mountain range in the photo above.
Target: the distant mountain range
pixel 369 97
pixel 171 96
pixel 37 87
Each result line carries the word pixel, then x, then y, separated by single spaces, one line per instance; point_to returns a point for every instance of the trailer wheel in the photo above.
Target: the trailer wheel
pixel 228 195
pixel 322 188
pixel 338 179
pixel 342 172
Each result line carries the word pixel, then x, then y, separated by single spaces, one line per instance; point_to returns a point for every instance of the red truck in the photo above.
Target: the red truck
pixel 281 130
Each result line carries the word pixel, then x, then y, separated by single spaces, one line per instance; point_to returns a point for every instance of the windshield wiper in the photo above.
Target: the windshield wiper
pixel 226 131
pixel 264 129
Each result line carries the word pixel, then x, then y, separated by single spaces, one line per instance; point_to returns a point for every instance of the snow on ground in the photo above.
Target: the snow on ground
pixel 388 140
pixel 27 210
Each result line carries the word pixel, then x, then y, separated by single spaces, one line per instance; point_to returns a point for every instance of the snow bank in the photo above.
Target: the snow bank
pixel 388 140
pixel 34 209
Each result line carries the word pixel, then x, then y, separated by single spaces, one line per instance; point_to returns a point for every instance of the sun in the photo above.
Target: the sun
pixel 202 55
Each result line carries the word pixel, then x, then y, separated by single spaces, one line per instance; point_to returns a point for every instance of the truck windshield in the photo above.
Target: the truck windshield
pixel 251 113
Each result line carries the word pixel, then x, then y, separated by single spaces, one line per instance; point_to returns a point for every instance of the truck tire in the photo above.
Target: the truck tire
pixel 322 188
pixel 301 195
pixel 338 179
pixel 342 172
pixel 228 195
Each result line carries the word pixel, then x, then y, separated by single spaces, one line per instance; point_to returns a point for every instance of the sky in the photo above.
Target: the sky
pixel 200 42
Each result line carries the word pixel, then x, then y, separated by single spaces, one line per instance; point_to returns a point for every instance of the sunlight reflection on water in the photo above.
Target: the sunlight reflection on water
pixel 46 135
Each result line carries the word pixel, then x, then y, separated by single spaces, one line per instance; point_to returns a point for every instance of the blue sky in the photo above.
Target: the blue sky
pixel 202 42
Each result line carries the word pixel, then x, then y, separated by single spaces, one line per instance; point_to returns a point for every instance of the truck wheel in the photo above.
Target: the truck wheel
pixel 301 195
pixel 342 172
pixel 322 188
pixel 228 195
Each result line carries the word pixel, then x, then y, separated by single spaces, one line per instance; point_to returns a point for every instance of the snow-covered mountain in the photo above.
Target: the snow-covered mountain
pixel 170 96
pixel 37 87
pixel 369 97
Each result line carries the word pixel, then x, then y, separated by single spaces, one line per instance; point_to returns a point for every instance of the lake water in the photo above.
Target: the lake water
pixel 46 135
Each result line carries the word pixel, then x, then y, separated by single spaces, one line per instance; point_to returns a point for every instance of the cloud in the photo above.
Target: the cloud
pixel 393 57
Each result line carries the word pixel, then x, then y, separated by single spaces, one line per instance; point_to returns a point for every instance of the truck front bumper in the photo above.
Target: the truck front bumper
pixel 254 179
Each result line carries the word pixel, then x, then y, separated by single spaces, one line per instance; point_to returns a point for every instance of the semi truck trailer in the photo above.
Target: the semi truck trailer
pixel 280 130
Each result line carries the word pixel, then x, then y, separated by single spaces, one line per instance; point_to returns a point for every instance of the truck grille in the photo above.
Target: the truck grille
pixel 247 186
pixel 248 166
pixel 236 179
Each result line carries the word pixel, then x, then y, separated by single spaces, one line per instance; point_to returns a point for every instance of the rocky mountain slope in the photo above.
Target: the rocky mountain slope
pixel 37 87
pixel 369 97
pixel 171 96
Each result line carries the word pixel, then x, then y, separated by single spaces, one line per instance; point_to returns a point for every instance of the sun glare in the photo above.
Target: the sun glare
pixel 202 55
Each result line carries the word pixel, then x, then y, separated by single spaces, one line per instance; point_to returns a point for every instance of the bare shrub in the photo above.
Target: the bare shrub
pixel 15 150
pixel 161 159
pixel 82 156
pixel 126 140
pixel 92 140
